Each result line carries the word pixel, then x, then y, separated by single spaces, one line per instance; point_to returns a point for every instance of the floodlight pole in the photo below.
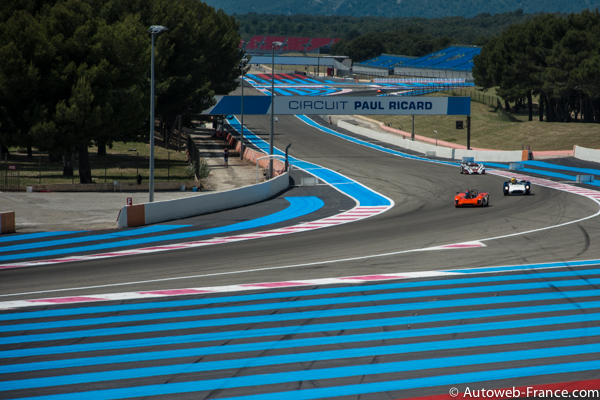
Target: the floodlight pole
pixel 154 30
pixel 242 127
pixel 272 103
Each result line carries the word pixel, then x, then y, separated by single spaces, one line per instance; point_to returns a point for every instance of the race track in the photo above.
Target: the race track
pixel 423 216
pixel 512 231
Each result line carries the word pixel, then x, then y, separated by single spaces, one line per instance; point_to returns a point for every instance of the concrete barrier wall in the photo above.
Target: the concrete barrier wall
pixel 586 154
pixel 197 205
pixel 443 152
pixel 370 70
pixel 252 155
pixel 161 211
pixel 432 73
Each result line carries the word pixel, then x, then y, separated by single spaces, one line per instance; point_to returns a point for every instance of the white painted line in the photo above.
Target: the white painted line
pixel 6 305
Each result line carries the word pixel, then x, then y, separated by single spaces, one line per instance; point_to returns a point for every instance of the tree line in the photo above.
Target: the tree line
pixel 411 41
pixel 76 73
pixel 555 58
pixel 403 8
pixel 468 31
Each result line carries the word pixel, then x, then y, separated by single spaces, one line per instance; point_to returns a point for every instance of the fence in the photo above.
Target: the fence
pixel 123 164
pixel 174 137
pixel 10 179
pixel 488 99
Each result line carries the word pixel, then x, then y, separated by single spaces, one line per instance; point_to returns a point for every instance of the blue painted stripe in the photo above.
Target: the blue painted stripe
pixel 542 164
pixel 355 311
pixel 405 155
pixel 414 331
pixel 299 206
pixel 496 165
pixel 557 175
pixel 302 92
pixel 313 81
pixel 92 238
pixel 311 303
pixel 418 383
pixel 549 166
pixel 541 172
pixel 312 123
pixel 280 91
pixel 365 196
pixel 307 375
pixel 583 274
pixel 256 78
pixel 39 235
pixel 506 268
pixel 489 164
pixel 321 341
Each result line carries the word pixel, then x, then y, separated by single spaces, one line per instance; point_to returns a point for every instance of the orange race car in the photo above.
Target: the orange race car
pixel 471 198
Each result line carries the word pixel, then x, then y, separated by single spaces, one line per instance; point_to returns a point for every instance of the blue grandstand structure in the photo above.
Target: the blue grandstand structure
pixel 388 60
pixel 454 58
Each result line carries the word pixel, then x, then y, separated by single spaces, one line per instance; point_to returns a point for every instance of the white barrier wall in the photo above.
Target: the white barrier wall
pixel 440 151
pixel 433 73
pixel 169 210
pixel 586 154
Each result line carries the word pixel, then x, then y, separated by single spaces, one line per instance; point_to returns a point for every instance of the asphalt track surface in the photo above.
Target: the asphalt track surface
pixel 397 339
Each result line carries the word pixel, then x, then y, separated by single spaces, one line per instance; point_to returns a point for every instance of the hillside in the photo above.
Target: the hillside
pixel 400 8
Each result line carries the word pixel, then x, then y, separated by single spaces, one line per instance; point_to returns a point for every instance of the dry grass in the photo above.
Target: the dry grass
pixel 491 130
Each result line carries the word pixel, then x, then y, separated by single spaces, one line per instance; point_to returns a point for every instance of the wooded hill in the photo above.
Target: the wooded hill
pixel 400 8
pixel 468 31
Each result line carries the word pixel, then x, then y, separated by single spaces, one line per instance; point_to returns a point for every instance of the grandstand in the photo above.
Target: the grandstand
pixel 451 62
pixel 388 60
pixel 455 58
pixel 262 44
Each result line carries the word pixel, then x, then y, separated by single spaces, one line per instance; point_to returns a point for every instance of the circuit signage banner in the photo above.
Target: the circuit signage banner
pixel 342 105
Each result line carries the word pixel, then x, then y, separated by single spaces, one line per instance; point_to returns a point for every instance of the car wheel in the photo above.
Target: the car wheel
pixel 505 193
pixel 487 202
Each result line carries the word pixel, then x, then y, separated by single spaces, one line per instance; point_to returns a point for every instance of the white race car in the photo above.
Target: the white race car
pixel 516 186
pixel 472 168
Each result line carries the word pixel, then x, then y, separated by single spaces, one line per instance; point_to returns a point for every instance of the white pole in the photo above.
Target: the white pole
pixel 272 107
pixel 242 127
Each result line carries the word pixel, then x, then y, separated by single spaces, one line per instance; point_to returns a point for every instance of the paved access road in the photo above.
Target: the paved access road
pixel 399 338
